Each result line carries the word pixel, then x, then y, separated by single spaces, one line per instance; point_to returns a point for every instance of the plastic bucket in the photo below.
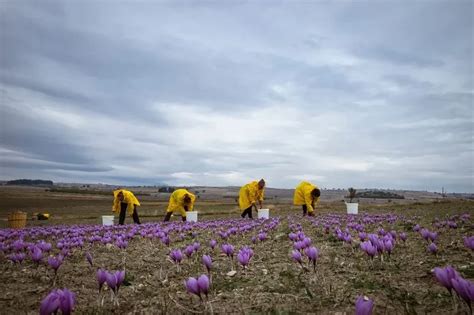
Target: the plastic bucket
pixel 107 220
pixel 191 216
pixel 352 208
pixel 263 213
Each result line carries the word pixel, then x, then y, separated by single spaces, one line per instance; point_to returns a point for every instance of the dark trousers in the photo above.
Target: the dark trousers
pixel 247 211
pixel 305 209
pixel 168 215
pixel 123 211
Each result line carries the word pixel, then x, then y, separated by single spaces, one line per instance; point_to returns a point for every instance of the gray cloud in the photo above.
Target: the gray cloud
pixel 345 94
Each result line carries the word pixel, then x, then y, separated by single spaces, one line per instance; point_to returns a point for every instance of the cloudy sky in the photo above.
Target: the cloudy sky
pixel 363 93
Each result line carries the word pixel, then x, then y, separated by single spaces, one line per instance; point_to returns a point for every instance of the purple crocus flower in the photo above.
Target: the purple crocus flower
pixel 296 255
pixel 189 250
pixel 388 246
pixel 416 228
pixel 207 261
pixel 299 245
pixel 192 286
pixel 312 254
pixel 228 250
pixel 368 248
pixel 403 236
pixel 67 301
pixel 111 280
pixel 50 303
pixel 432 248
pixel 293 237
pixel 469 242
pixel 364 306
pixel 176 256
pixel 63 300
pixel 196 246
pixel 203 284
pixel 55 263
pixel 432 236
pixel 243 257
pixel 362 236
pixel 36 255
pixel 262 236
pixel 120 276
pixel 165 240
pixel 464 289
pixel 101 277
pixel 213 243
pixel 89 258
pixel 445 275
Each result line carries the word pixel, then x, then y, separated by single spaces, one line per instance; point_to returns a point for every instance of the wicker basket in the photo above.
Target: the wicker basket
pixel 17 220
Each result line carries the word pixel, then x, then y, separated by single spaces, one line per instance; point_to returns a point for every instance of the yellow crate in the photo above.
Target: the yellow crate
pixel 17 220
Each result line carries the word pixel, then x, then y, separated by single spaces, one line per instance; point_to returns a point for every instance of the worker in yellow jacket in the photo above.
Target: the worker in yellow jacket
pixel 181 201
pixel 249 195
pixel 307 195
pixel 125 201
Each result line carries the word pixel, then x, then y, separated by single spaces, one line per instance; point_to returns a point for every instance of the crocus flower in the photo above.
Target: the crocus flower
pixel 243 257
pixel 469 242
pixel 445 275
pixel 67 301
pixel 416 228
pixel 111 280
pixel 55 263
pixel 312 254
pixel 176 256
pixel 432 248
pixel 63 300
pixel 403 236
pixel 36 255
pixel 228 250
pixel 207 261
pixel 203 284
pixel 368 248
pixel 192 286
pixel 101 276
pixel 364 306
pixel 464 289
pixel 292 236
pixel 296 255
pixel 262 236
pixel 189 250
pixel 89 258
pixel 196 246
pixel 120 276
pixel 50 303
pixel 213 243
pixel 388 246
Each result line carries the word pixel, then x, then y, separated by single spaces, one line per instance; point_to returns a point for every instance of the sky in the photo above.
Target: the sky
pixel 343 93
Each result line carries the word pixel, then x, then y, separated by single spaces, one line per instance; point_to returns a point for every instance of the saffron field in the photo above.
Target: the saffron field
pixel 382 260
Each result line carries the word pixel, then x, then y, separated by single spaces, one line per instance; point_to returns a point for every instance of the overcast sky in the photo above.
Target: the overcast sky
pixel 364 94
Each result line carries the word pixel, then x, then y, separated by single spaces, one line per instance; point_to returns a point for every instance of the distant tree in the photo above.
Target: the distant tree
pixel 352 194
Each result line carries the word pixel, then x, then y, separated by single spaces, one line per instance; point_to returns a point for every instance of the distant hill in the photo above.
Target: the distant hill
pixel 30 182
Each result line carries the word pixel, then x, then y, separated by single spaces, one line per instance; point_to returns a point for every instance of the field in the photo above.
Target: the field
pixel 273 282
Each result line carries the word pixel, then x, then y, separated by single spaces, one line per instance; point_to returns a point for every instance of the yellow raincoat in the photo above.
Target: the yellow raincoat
pixel 303 196
pixel 128 198
pixel 176 203
pixel 249 194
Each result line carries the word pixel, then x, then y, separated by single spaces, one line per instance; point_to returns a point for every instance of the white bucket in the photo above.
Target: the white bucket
pixel 191 216
pixel 107 220
pixel 352 207
pixel 263 213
